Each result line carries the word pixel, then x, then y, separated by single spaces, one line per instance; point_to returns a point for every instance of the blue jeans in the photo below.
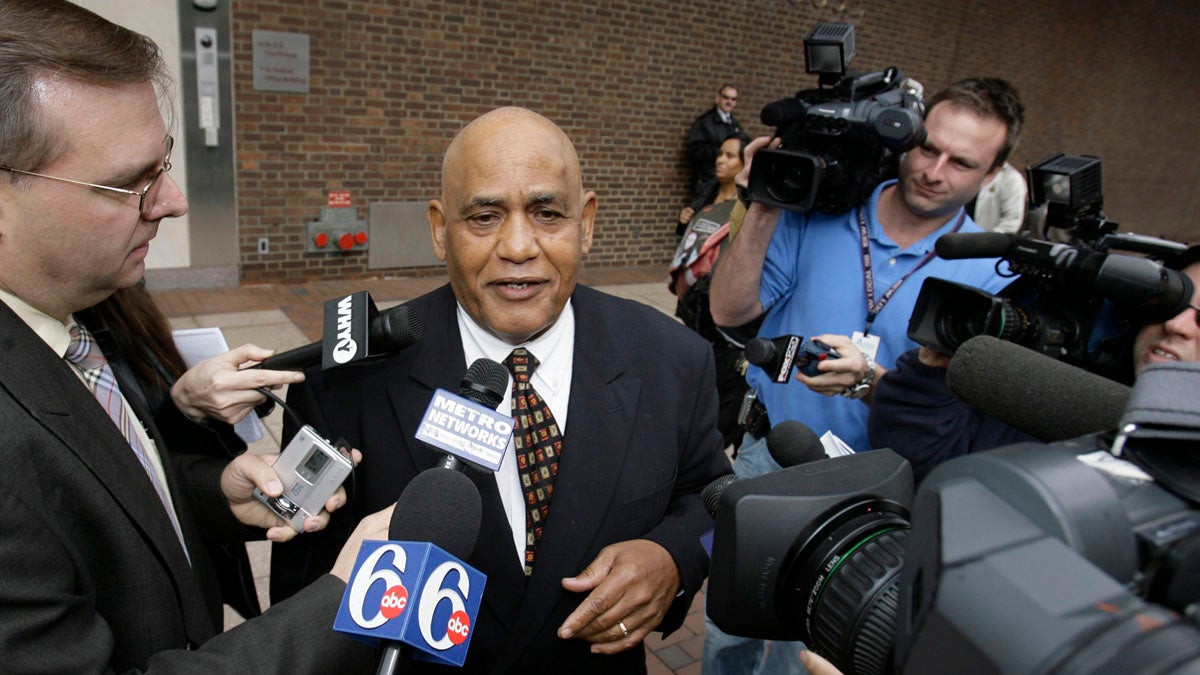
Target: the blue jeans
pixel 726 654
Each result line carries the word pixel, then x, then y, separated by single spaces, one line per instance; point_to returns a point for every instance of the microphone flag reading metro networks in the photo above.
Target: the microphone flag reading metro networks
pixel 468 429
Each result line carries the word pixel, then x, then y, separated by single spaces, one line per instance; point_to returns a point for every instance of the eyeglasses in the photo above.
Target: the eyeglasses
pixel 169 142
pixel 1197 313
pixel 728 98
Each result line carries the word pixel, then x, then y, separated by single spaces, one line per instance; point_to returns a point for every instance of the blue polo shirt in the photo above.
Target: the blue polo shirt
pixel 812 283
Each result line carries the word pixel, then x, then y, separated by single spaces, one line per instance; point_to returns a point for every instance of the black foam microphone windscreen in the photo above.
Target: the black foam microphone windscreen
pixel 760 351
pixel 792 443
pixel 442 508
pixel 1045 398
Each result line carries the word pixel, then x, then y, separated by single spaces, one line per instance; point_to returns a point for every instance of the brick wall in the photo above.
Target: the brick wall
pixel 393 80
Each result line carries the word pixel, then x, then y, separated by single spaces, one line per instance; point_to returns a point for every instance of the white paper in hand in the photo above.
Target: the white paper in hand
pixel 197 344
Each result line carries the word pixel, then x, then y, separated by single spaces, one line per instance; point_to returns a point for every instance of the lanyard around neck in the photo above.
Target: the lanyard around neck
pixel 875 307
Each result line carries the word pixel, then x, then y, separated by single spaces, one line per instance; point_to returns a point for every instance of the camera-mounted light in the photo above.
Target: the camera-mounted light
pixel 828 50
pixel 1068 180
pixel 1069 186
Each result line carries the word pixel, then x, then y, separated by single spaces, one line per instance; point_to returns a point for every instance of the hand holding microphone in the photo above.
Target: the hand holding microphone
pixel 353 331
pixel 829 364
pixel 311 469
pixel 373 527
pixel 224 388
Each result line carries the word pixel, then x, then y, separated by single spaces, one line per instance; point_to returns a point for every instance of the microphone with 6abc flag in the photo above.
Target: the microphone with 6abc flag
pixel 413 594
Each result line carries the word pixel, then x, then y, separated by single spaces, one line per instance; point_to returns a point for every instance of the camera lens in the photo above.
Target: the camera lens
pixel 844 580
pixel 791 182
pixel 1003 320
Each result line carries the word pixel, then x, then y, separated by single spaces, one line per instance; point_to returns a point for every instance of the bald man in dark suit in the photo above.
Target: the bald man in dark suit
pixel 632 390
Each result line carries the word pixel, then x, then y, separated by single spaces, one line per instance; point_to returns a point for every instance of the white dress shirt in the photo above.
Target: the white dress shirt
pixel 555 352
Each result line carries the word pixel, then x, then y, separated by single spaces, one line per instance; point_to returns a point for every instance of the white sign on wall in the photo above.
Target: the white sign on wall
pixel 281 61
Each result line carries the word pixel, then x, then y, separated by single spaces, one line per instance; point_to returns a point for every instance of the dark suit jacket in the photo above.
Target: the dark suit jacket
pixel 640 444
pixel 183 436
pixel 92 576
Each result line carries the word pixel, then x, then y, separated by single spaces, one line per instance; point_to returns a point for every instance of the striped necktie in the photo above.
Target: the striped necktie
pixel 538 444
pixel 85 355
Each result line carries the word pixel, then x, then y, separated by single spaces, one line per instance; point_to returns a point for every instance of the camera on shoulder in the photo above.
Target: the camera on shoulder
pixel 839 141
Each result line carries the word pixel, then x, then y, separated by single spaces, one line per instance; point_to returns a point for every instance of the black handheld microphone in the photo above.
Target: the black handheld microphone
pixel 420 515
pixel 1026 390
pixel 711 494
pixel 484 383
pixel 351 335
pixel 776 356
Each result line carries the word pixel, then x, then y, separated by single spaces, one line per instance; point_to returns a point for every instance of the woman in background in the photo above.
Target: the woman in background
pixel 704 226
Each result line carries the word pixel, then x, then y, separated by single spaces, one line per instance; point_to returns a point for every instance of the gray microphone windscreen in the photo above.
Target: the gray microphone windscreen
pixel 1045 398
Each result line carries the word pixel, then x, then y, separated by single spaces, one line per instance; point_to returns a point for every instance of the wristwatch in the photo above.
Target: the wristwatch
pixel 862 387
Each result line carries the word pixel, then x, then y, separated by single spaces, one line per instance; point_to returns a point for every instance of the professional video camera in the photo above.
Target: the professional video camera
pixel 1029 559
pixel 840 140
pixel 1076 303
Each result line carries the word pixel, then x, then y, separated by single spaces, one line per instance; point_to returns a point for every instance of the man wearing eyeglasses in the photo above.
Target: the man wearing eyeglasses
pixel 103 530
pixel 708 132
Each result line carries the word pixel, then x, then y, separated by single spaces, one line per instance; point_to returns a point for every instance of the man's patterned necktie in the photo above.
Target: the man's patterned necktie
pixel 86 357
pixel 538 444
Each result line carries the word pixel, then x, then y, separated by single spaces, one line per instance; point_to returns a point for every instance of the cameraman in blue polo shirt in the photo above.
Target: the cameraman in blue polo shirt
pixel 851 280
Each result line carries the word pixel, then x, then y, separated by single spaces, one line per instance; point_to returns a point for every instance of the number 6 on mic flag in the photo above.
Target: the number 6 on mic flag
pixel 414 593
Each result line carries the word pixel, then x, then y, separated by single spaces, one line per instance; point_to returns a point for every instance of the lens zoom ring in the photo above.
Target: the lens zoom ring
pixel 855 622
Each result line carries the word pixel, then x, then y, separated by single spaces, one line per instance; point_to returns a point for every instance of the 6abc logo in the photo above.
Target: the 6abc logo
pixel 432 590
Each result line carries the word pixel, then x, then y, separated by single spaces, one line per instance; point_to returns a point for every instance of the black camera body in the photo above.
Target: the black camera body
pixel 1026 559
pixel 1081 303
pixel 1048 558
pixel 839 141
